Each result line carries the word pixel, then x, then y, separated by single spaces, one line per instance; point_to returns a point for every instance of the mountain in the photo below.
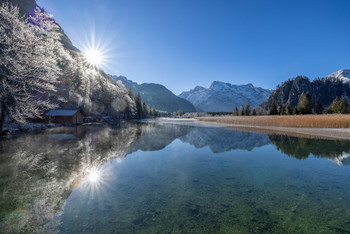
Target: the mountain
pixel 224 97
pixel 326 89
pixel 341 75
pixel 157 95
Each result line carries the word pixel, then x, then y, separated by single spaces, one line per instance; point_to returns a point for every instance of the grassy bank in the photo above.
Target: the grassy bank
pixel 299 121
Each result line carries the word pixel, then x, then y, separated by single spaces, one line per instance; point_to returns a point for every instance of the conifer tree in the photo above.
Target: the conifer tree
pixel 295 111
pixel 288 110
pixel 273 109
pixel 247 109
pixel 344 105
pixel 242 110
pixel 318 107
pixel 304 104
pixel 335 106
pixel 282 110
pixel 235 112
pixel 138 104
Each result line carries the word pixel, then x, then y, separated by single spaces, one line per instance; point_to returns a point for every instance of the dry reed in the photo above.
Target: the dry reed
pixel 299 121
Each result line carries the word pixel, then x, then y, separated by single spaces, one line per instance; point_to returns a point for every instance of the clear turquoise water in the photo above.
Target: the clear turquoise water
pixel 161 178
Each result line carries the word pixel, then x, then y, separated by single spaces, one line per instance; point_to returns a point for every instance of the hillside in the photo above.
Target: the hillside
pixel 325 89
pixel 80 85
pixel 158 96
pixel 224 97
pixel 26 7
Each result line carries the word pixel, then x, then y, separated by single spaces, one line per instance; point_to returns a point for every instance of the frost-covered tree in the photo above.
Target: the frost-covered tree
pixel 28 63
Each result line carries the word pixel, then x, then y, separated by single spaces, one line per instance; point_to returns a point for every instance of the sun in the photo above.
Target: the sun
pixel 94 57
pixel 94 176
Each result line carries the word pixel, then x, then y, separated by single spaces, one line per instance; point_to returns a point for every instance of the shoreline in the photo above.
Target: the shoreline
pixel 320 133
pixel 314 132
pixel 310 126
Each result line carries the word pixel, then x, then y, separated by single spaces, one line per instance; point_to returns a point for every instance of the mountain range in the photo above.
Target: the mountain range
pixel 157 95
pixel 326 90
pixel 224 97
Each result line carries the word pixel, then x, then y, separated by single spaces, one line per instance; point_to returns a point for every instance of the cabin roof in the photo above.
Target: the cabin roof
pixel 62 112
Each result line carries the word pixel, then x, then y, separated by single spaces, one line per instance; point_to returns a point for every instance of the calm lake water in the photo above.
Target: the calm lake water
pixel 161 178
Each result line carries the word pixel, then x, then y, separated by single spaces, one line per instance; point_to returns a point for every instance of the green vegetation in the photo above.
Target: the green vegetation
pixel 305 104
pixel 319 107
pixel 339 106
pixel 235 112
pixel 273 109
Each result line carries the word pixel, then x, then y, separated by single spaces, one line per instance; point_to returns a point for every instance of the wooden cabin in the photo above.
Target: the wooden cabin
pixel 71 116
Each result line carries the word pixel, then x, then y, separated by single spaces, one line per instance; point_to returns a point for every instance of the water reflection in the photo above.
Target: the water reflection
pixel 221 139
pixel 302 148
pixel 38 172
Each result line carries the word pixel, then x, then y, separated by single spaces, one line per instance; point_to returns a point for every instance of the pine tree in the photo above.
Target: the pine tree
pixel 138 104
pixel 318 107
pixel 288 110
pixel 295 111
pixel 242 110
pixel 247 109
pixel 282 110
pixel 273 109
pixel 235 112
pixel 335 106
pixel 305 104
pixel 344 105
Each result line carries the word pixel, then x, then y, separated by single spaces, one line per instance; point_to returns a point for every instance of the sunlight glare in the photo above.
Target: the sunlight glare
pixel 94 176
pixel 94 57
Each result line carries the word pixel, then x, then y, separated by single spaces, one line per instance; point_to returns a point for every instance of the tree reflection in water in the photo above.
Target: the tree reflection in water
pixel 302 148
pixel 39 171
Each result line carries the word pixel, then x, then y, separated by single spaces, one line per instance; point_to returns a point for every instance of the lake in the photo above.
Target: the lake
pixel 160 177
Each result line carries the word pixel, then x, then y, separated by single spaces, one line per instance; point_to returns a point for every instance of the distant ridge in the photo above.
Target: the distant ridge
pixel 157 95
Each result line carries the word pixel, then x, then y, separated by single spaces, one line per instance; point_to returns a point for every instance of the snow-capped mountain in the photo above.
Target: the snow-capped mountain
pixel 341 75
pixel 224 97
pixel 342 160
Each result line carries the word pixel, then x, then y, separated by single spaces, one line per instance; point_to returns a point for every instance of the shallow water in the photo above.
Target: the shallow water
pixel 157 178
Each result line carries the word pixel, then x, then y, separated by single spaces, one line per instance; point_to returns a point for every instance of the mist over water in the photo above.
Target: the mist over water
pixel 162 177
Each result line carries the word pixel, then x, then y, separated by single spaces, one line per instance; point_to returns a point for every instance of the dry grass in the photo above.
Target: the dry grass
pixel 299 121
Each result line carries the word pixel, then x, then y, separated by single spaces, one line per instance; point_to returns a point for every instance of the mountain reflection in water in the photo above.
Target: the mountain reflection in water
pixel 39 171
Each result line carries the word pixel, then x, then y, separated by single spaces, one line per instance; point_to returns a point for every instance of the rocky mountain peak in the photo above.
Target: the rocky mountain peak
pixel 224 97
pixel 341 75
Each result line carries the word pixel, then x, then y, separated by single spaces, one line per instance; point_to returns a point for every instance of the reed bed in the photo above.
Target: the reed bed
pixel 299 121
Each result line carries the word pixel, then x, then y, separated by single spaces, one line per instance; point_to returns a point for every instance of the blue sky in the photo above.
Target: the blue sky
pixel 184 43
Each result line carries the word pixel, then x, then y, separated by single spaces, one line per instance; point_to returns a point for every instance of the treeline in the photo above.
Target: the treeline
pixel 244 110
pixel 304 106
pixel 338 106
pixel 142 110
